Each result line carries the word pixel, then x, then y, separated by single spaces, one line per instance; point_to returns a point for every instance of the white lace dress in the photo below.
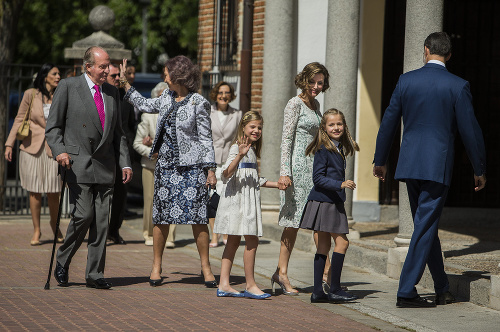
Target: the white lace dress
pixel 238 212
pixel 300 125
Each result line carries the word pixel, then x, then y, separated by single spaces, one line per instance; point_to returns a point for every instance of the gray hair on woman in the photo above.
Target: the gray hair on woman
pixel 158 89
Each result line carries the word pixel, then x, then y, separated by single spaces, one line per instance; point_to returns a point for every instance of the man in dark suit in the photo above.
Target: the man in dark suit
pixel 434 104
pixel 119 202
pixel 84 126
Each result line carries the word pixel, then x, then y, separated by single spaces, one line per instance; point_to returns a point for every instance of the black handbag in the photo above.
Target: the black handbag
pixel 213 202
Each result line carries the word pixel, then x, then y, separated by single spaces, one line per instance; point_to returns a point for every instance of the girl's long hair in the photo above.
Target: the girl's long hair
pixel 322 137
pixel 245 119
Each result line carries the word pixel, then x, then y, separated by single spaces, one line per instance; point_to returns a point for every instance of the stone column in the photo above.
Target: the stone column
pixel 342 63
pixel 422 18
pixel 277 87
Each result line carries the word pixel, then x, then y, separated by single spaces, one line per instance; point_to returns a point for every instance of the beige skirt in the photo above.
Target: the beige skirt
pixel 38 173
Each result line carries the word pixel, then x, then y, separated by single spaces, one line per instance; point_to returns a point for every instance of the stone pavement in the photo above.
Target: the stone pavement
pixel 183 303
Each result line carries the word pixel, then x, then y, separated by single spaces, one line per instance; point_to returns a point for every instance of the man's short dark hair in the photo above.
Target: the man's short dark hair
pixel 438 43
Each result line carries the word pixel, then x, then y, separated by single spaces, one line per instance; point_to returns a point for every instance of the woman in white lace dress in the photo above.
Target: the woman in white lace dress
pixel 300 124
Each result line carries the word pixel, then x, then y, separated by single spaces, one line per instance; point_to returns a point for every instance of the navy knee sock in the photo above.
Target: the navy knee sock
pixel 336 271
pixel 319 267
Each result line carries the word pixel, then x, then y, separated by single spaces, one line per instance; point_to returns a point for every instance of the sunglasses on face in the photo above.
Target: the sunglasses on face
pixel 113 75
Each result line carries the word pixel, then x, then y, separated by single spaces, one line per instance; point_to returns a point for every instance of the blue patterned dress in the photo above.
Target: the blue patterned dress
pixel 181 194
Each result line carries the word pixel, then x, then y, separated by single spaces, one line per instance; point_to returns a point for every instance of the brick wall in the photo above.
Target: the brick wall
pixel 205 34
pixel 257 54
pixel 206 37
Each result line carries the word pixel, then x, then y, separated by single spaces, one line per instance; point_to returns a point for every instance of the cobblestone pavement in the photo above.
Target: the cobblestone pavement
pixel 182 303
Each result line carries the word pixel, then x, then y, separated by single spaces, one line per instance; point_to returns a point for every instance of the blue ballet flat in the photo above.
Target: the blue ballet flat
pixel 228 294
pixel 255 296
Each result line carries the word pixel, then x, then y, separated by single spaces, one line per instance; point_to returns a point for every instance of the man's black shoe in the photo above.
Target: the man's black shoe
pixel 340 297
pixel 416 302
pixel 445 298
pixel 100 283
pixel 61 275
pixel 116 239
pixel 321 298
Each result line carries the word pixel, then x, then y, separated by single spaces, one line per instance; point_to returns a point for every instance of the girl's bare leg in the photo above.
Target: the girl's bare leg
pixel 233 242
pixel 251 243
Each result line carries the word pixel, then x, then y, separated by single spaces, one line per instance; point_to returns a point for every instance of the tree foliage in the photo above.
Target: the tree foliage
pixel 47 27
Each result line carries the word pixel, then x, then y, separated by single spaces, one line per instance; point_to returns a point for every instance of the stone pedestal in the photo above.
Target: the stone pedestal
pixel 395 260
pixel 495 292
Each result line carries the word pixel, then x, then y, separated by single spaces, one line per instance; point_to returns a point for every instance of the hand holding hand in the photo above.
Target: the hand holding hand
pixel 284 182
pixel 348 184
pixel 379 172
pixel 479 182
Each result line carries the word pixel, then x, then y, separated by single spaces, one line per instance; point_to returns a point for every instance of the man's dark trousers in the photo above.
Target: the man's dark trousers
pixel 427 199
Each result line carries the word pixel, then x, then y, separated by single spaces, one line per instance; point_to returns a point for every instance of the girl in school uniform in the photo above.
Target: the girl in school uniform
pixel 238 212
pixel 324 212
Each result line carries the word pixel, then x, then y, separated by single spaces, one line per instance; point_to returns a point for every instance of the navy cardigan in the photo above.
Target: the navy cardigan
pixel 328 175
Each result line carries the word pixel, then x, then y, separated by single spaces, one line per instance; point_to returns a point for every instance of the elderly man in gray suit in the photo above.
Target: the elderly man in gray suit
pixel 85 134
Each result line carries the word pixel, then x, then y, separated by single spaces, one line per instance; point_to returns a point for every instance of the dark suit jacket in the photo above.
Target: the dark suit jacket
pixel 328 175
pixel 74 127
pixel 434 104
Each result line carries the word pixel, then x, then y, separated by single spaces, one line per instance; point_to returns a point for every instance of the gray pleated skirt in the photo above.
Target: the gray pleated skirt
pixel 325 217
pixel 38 173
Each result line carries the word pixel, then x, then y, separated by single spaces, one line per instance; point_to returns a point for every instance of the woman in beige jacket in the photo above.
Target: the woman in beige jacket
pixel 225 120
pixel 37 168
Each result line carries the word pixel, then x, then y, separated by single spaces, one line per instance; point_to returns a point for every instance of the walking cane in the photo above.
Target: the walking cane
pixel 63 171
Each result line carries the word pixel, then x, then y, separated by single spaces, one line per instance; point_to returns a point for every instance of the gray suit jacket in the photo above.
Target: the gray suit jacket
pixel 74 127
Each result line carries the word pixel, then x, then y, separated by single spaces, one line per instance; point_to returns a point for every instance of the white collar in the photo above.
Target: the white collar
pixel 437 62
pixel 90 83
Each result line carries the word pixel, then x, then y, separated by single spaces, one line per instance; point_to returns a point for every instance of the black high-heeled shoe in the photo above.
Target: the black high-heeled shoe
pixel 209 284
pixel 155 282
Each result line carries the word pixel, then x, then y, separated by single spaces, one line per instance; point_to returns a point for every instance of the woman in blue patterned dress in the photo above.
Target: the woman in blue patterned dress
pixel 186 161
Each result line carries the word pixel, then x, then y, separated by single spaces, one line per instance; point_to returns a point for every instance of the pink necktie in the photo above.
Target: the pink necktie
pixel 99 104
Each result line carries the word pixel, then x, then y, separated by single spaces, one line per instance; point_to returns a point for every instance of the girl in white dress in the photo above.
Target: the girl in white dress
pixel 239 213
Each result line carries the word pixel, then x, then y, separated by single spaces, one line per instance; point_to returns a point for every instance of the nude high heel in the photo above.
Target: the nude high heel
pixel 283 288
